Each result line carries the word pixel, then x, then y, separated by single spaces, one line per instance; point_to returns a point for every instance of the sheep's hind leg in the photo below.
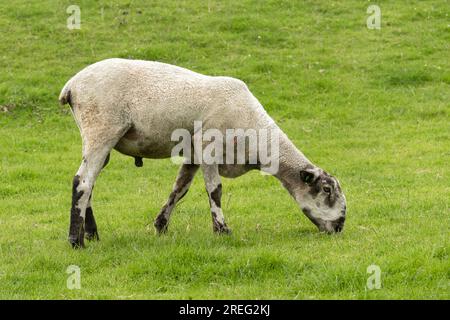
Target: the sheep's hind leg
pixel 90 224
pixel 95 156
pixel 179 190
pixel 214 189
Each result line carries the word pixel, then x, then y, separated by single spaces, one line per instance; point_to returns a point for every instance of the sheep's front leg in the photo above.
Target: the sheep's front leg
pixel 83 182
pixel 214 189
pixel 179 190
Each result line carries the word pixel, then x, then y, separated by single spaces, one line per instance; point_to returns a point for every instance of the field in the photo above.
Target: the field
pixel 370 106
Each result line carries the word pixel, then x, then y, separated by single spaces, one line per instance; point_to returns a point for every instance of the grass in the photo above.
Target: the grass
pixel 370 106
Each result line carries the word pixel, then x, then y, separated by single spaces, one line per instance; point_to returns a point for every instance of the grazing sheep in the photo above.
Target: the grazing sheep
pixel 134 106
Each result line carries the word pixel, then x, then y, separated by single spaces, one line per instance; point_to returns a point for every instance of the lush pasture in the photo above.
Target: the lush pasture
pixel 370 106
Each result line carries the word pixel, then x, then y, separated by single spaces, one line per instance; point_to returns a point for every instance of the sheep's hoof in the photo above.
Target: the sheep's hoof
pixel 91 236
pixel 160 224
pixel 76 242
pixel 222 229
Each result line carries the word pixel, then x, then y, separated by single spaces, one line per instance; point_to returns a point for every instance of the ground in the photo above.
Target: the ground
pixel 369 106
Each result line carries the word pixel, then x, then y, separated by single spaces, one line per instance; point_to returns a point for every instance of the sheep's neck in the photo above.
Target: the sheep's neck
pixel 292 161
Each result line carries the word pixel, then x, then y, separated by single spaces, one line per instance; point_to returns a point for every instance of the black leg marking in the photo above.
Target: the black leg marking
pixel 173 195
pixel 183 181
pixel 90 225
pixel 76 230
pixel 161 220
pixel 171 200
pixel 76 195
pixel 218 227
pixel 216 195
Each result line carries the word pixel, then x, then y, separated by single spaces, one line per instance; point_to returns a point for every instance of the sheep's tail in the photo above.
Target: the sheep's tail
pixel 65 95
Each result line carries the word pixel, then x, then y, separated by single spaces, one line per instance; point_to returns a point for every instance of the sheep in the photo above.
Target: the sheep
pixel 134 106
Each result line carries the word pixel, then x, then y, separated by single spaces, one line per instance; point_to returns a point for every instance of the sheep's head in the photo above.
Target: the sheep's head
pixel 321 199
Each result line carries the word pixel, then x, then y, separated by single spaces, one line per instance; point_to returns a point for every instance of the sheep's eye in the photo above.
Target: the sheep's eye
pixel 327 189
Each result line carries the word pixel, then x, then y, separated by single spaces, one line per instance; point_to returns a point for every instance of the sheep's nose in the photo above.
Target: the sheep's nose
pixel 338 224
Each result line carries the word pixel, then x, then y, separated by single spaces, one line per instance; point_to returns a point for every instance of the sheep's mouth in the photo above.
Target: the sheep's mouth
pixel 329 227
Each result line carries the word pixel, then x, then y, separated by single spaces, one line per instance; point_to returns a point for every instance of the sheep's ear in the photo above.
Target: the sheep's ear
pixel 307 176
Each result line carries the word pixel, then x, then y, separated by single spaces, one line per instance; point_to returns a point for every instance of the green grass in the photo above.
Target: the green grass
pixel 370 106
